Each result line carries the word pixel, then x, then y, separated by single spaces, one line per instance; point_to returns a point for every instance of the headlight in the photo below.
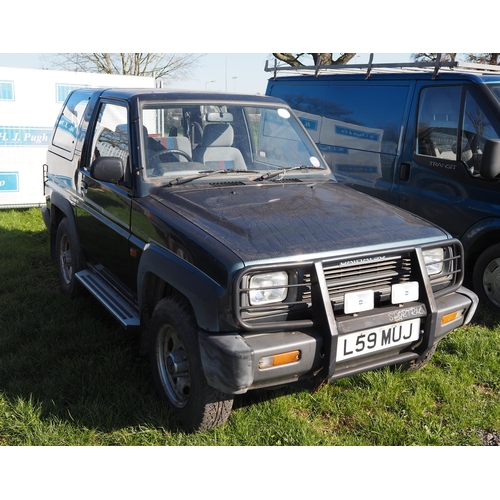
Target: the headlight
pixel 267 288
pixel 433 259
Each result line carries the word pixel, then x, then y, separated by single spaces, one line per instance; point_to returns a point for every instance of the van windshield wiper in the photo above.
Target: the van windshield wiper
pixel 182 180
pixel 283 171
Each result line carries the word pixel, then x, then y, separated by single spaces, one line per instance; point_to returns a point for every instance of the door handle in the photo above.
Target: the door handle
pixel 404 172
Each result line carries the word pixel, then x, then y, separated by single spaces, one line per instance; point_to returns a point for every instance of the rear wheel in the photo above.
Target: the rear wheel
pixel 69 261
pixel 177 370
pixel 486 278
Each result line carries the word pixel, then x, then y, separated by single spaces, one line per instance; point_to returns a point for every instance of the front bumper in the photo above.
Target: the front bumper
pixel 231 361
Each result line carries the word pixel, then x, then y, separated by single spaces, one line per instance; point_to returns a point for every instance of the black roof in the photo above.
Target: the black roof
pixel 182 95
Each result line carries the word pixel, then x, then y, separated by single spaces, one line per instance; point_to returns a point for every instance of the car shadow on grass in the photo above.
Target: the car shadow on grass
pixel 486 318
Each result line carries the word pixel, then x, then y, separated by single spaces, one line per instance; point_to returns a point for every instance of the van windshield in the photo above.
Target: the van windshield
pixel 183 140
pixel 495 89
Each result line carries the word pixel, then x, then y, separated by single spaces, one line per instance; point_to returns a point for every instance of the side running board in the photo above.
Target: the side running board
pixel 125 312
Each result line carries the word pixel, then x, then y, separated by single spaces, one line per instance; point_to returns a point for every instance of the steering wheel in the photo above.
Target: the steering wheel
pixel 168 151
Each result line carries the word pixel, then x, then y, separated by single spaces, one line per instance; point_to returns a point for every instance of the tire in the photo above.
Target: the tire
pixel 486 278
pixel 69 260
pixel 177 371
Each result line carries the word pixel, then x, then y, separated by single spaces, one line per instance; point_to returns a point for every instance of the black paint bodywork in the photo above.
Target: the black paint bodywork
pixel 198 239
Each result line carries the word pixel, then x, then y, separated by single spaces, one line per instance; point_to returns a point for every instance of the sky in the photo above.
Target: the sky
pixel 235 40
pixel 231 72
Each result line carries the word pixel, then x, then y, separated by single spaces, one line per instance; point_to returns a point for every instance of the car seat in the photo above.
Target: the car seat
pixel 216 149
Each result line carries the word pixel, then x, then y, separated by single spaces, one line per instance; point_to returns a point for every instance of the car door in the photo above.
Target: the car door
pixel 440 177
pixel 103 217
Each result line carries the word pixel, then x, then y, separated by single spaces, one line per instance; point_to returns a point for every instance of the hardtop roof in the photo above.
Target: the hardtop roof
pixel 184 95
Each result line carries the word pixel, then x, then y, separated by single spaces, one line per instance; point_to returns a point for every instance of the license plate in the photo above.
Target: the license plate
pixel 365 342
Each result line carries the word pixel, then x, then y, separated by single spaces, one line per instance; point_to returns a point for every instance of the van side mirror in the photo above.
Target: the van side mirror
pixel 490 165
pixel 107 169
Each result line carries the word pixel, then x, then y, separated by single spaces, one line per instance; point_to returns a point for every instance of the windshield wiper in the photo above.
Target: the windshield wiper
pixel 283 171
pixel 182 180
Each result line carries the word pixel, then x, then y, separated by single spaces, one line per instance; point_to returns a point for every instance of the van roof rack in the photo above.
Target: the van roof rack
pixel 370 67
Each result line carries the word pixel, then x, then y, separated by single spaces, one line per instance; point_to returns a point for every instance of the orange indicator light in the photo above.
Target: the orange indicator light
pixel 279 359
pixel 448 318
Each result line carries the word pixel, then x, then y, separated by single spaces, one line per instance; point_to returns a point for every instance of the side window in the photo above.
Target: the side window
pixel 111 133
pixel 6 91
pixel 477 127
pixel 366 117
pixel 361 117
pixel 438 120
pixel 308 101
pixel 65 135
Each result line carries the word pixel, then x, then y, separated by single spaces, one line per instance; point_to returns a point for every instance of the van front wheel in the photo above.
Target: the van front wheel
pixel 486 277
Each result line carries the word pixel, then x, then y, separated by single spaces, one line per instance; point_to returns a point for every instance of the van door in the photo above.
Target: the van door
pixel 440 176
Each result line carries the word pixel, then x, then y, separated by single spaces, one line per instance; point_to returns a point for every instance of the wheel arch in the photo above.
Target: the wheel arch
pixel 162 273
pixel 60 208
pixel 478 238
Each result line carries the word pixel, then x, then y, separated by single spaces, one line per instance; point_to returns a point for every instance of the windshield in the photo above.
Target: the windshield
pixel 186 140
pixel 495 89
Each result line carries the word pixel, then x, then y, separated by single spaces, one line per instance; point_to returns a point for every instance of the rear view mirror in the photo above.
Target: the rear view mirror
pixel 107 169
pixel 219 117
pixel 490 165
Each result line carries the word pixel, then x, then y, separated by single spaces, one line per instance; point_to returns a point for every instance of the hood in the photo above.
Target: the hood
pixel 279 220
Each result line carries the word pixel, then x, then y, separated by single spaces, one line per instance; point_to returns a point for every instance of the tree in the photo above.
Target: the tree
pixel 324 59
pixel 475 58
pixel 431 57
pixel 166 66
pixel 484 58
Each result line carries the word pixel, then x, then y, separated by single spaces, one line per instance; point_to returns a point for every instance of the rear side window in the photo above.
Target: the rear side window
pixel 362 117
pixel 65 135
pixel 368 116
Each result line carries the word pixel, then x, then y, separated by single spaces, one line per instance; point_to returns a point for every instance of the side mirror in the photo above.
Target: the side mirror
pixel 107 169
pixel 490 165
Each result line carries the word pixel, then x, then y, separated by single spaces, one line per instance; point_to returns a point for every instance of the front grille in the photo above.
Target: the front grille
pixel 378 276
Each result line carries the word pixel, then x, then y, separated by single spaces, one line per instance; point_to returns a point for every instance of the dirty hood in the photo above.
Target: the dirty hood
pixel 279 220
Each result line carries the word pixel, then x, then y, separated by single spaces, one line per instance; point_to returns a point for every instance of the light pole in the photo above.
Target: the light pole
pixel 209 81
pixel 234 83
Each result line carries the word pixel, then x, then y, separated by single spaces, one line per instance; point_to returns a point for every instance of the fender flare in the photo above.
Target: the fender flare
pixel 202 292
pixel 478 232
pixel 59 202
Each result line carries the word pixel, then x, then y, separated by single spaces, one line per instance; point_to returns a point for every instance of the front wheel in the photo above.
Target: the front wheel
pixel 177 371
pixel 486 277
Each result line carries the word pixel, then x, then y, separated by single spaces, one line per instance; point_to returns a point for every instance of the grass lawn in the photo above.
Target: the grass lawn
pixel 70 375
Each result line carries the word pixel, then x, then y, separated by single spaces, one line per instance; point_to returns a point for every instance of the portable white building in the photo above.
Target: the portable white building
pixel 30 101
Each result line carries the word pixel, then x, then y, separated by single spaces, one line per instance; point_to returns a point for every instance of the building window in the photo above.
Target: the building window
pixel 63 90
pixel 6 91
